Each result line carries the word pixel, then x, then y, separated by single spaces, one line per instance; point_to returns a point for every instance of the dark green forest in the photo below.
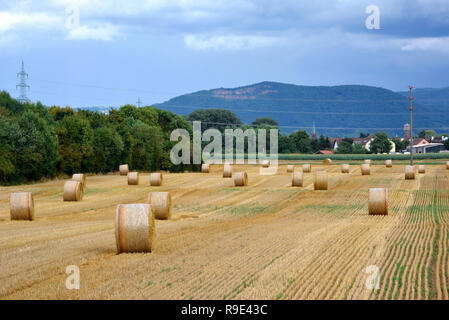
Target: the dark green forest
pixel 38 141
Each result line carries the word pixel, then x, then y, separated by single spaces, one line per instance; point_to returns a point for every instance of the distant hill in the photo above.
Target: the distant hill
pixel 337 111
pixel 438 98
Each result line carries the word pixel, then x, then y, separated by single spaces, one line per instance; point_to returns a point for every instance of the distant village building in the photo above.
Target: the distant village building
pixel 420 145
pixel 440 139
pixel 427 148
pixel 365 142
pixel 324 152
pixel 334 142
pixel 419 141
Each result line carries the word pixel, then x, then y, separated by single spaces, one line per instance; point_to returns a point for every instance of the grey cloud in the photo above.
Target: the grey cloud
pixel 296 19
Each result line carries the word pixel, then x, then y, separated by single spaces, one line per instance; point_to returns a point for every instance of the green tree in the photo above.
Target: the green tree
pixel 446 144
pixel 345 146
pixel 107 147
pixel 219 119
pixel 96 119
pixel 147 115
pixel 358 149
pixel 380 143
pixel 169 121
pixel 34 145
pixel 139 149
pixel 10 104
pixel 400 144
pixel 158 156
pixel 301 141
pixel 363 134
pixel 314 145
pixel 146 147
pixel 422 134
pixel 58 113
pixel 261 122
pixel 427 134
pixel 324 143
pixel 7 167
pixel 285 144
pixel 75 144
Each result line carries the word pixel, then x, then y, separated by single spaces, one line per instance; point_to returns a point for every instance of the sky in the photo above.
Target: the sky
pixel 108 53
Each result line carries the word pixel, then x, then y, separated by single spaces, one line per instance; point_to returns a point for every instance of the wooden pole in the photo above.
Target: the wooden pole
pixel 411 124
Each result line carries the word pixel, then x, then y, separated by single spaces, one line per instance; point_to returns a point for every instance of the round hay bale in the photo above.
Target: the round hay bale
pixel 327 162
pixel 73 191
pixel 265 163
pixel 80 177
pixel 134 228
pixel 320 181
pixel 205 167
pixel 447 165
pixel 409 172
pixel 133 178
pixel 422 169
pixel 160 204
pixel 156 179
pixel 388 163
pixel 240 179
pixel 297 180
pixel 345 168
pixel 21 206
pixel 227 171
pixel 307 168
pixel 378 201
pixel 366 170
pixel 290 168
pixel 124 170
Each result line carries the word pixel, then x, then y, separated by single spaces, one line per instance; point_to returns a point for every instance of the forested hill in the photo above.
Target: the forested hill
pixel 438 98
pixel 337 111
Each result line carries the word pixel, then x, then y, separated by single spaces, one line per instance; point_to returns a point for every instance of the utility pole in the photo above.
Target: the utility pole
pixel 139 102
pixel 22 85
pixel 411 124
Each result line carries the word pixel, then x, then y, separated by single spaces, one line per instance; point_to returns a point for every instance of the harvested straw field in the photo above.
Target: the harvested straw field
pixel 268 240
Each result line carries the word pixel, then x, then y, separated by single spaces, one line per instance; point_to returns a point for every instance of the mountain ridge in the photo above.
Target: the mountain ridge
pixel 340 110
pixel 437 97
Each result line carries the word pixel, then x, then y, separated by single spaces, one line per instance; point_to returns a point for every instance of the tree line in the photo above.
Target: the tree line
pixel 297 142
pixel 38 141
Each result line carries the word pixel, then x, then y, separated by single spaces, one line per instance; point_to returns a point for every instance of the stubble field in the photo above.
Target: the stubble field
pixel 265 241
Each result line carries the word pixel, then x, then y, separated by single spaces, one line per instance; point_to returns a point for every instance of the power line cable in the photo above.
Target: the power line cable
pixel 291 112
pixel 303 127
